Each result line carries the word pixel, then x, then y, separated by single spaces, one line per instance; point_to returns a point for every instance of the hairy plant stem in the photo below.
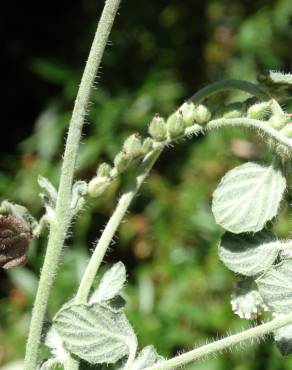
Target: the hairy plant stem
pixel 219 345
pixel 263 126
pixel 111 227
pixel 60 224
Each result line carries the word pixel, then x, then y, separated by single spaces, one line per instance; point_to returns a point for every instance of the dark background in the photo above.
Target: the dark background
pixel 148 35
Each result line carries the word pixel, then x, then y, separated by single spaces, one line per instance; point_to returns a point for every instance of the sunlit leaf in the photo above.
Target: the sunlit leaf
pixel 111 284
pixel 249 254
pixel 247 197
pixel 95 333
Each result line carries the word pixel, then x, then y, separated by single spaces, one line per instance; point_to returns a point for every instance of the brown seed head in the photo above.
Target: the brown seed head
pixel 14 241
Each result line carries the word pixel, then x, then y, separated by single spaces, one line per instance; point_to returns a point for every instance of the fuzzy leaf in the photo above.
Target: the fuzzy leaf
pixel 79 189
pixel 54 342
pixel 111 284
pixel 95 333
pixel 49 194
pixel 275 286
pixel 249 254
pixel 247 197
pixel 146 358
pixel 283 339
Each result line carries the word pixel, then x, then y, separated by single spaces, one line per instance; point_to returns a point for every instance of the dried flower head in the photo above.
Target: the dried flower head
pixel 14 241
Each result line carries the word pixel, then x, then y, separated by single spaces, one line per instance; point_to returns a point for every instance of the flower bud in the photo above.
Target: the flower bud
pixel 259 110
pixel 234 110
pixel 147 145
pixel 97 186
pixel 175 125
pixel 287 130
pixel 157 128
pixel 133 145
pixel 188 113
pixel 122 161
pixel 278 121
pixel 202 114
pixel 104 170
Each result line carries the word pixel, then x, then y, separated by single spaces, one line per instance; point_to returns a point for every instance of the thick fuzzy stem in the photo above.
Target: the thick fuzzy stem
pixel 60 225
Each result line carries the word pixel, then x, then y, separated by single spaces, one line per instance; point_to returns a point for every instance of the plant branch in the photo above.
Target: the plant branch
pixel 252 123
pixel 111 227
pixel 212 348
pixel 126 199
pixel 60 224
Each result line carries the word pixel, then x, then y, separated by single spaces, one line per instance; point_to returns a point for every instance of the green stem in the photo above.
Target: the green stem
pixel 219 86
pixel 111 227
pixel 252 123
pixel 60 225
pixel 213 348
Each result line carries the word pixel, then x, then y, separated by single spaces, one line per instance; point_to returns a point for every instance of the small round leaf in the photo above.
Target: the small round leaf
pixel 249 254
pixel 247 197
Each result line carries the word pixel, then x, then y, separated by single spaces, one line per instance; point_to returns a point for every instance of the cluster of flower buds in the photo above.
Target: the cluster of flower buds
pixel 283 123
pixel 174 127
pixel 133 149
pixel 279 121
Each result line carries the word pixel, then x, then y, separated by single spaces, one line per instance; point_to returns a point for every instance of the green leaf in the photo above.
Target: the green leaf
pixel 79 190
pixel 283 339
pixel 249 254
pixel 247 197
pixel 111 284
pixel 146 358
pixel 95 333
pixel 275 286
pixel 49 194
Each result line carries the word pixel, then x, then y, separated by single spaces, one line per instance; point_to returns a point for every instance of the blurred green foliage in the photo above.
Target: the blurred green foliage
pixel 178 291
